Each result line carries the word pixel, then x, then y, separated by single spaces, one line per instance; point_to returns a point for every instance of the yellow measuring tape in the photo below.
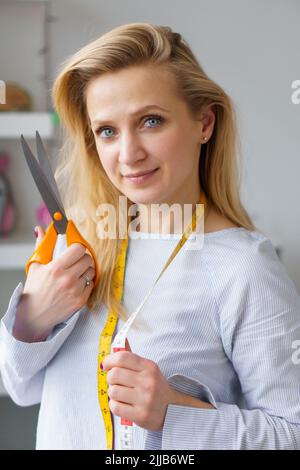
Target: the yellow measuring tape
pixel 109 328
pixel 105 342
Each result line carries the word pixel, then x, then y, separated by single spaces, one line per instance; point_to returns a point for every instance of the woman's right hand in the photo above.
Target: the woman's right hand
pixel 53 292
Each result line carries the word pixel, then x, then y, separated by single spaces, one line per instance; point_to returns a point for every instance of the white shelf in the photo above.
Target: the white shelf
pixel 13 124
pixel 15 250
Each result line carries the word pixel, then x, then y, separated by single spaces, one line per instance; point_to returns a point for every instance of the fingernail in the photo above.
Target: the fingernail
pixel 36 232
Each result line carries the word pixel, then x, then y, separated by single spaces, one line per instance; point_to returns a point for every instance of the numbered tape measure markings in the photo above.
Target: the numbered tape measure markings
pixel 107 333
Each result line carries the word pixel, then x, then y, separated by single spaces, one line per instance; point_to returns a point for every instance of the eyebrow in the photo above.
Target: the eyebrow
pixel 139 111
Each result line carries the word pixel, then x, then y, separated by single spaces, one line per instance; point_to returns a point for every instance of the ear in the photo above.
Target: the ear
pixel 207 119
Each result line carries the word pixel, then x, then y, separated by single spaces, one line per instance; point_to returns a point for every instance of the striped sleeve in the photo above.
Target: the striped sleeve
pixel 23 364
pixel 259 309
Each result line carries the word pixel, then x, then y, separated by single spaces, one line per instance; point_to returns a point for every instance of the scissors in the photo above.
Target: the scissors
pixel 61 232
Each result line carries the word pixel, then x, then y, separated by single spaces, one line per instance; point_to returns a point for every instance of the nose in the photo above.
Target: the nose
pixel 131 149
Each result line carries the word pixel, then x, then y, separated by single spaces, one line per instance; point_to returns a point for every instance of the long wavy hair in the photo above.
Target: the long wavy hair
pixel 79 174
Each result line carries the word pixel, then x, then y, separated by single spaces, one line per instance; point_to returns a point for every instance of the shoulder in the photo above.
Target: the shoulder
pixel 228 240
pixel 242 260
pixel 238 244
pixel 249 283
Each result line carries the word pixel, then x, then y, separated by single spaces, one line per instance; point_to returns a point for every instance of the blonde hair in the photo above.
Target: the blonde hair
pixel 80 175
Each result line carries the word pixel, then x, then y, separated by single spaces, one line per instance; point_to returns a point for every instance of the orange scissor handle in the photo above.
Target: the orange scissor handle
pixel 44 252
pixel 74 236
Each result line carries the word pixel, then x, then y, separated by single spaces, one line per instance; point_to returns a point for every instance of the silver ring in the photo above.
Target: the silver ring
pixel 87 280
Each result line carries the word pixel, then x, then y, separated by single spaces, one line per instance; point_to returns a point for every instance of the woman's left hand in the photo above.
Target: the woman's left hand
pixel 137 389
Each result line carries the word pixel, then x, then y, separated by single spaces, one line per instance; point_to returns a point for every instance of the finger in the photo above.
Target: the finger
pixel 87 290
pixel 40 235
pixel 91 259
pixel 123 410
pixel 125 359
pixel 90 273
pixel 122 394
pixel 121 376
pixel 71 255
pixel 81 266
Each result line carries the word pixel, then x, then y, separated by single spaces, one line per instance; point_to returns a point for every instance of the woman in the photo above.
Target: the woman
pixel 211 367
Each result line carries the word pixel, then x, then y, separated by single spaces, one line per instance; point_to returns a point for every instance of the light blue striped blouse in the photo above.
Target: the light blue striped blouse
pixel 221 323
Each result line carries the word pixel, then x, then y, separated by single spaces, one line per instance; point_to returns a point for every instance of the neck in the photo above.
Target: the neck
pixel 167 217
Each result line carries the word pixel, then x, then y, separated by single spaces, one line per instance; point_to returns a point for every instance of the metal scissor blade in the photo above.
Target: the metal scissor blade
pixel 46 167
pixel 44 188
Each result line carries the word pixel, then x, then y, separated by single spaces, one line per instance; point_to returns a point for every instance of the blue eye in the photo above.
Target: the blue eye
pixel 103 130
pixel 154 118
pixel 149 118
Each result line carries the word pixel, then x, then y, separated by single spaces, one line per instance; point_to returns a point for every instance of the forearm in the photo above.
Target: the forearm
pixel 183 399
pixel 24 329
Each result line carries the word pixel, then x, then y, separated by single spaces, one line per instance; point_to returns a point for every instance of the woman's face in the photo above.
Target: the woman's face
pixel 131 138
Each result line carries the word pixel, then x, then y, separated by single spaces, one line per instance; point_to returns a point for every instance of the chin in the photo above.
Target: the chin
pixel 145 200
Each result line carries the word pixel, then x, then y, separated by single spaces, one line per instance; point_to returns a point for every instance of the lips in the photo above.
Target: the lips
pixel 131 175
